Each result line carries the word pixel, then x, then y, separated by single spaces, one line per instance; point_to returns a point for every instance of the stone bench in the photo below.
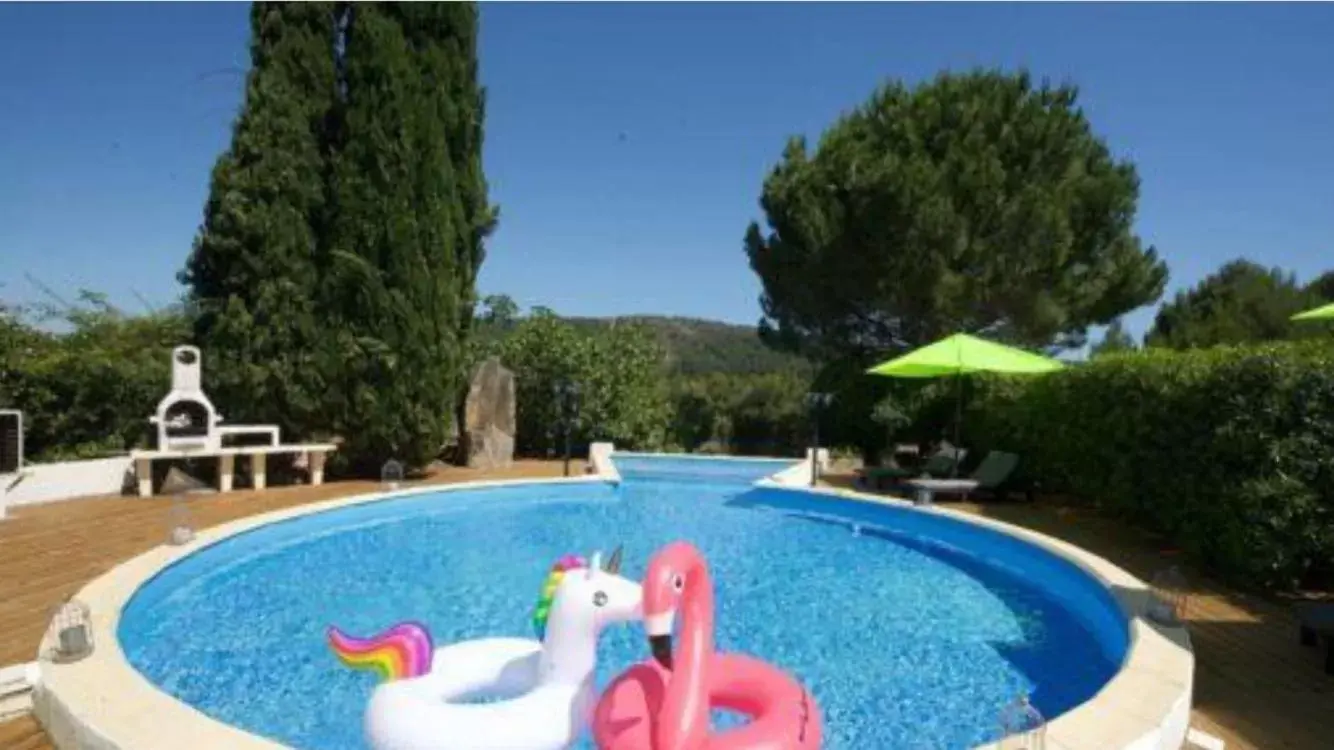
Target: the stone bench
pixel 258 454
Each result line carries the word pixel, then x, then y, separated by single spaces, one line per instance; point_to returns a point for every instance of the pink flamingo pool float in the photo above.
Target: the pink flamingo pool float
pixel 663 703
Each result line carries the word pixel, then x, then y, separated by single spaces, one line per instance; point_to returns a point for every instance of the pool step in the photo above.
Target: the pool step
pixel 1198 740
pixel 15 705
pixel 16 689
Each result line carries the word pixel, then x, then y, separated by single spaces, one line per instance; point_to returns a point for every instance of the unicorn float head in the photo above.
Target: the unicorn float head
pixel 578 599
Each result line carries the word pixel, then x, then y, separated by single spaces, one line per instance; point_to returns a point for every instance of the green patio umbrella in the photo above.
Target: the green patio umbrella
pixel 1326 312
pixel 959 355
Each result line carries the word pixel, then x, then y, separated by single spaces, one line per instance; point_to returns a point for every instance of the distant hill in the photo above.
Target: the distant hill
pixel 700 346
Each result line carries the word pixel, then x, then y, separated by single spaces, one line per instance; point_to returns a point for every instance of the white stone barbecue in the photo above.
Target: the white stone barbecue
pixel 185 417
pixel 189 426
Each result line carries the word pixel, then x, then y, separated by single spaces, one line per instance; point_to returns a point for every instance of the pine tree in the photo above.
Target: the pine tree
pixel 254 269
pixel 1242 302
pixel 980 201
pixel 409 219
pixel 1114 340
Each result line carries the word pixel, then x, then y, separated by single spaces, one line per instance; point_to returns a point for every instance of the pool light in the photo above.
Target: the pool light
pixel 567 409
pixel 179 529
pixel 391 474
pixel 818 401
pixel 71 632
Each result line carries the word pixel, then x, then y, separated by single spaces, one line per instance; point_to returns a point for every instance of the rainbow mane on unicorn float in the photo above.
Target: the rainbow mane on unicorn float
pixel 542 612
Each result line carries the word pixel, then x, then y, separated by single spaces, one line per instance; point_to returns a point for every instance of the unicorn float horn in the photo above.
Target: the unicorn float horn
pixel 613 565
pixel 399 653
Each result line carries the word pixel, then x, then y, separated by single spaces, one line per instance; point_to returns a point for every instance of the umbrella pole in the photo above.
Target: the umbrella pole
pixel 958 418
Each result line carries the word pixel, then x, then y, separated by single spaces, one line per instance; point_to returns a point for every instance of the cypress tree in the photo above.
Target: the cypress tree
pixel 443 37
pixel 410 214
pixel 253 273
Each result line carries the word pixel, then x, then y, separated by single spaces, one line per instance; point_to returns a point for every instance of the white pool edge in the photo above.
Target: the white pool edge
pixel 103 703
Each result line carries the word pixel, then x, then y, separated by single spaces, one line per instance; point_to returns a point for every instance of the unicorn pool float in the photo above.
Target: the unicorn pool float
pixel 542 690
pixel 663 703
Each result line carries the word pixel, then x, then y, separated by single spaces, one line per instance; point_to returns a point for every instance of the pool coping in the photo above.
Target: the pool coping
pixel 103 703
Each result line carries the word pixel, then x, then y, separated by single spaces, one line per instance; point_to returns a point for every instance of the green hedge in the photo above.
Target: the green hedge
pixel 1228 452
pixel 88 391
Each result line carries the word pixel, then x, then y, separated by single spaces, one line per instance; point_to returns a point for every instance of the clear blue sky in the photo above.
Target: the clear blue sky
pixel 111 116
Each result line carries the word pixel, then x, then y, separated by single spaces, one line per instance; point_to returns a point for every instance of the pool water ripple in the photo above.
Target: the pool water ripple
pixel 902 647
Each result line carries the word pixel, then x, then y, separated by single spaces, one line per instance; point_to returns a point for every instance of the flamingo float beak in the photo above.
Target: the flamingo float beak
pixel 659 630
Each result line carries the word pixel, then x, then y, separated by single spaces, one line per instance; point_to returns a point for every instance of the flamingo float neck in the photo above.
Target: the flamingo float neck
pixel 663 704
pixel 687 690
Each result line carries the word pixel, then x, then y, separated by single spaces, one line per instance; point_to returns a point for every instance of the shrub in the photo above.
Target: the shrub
pixel 619 371
pixel 1228 452
pixel 87 391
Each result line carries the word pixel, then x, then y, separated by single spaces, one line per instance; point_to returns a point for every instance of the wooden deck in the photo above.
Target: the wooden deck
pixel 24 733
pixel 50 551
pixel 1255 686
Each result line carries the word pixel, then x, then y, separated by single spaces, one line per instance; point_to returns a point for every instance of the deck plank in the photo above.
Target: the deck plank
pixel 24 733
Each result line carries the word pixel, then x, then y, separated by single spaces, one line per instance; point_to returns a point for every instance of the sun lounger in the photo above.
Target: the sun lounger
pixel 993 472
pixel 940 464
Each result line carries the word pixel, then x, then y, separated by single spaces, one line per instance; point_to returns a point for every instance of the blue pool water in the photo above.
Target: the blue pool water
pixel 695 469
pixel 905 640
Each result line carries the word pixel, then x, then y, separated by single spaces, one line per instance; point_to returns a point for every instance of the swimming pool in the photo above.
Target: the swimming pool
pixel 905 639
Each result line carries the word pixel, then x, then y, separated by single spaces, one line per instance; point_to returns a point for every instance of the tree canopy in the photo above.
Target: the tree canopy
pixel 406 234
pixel 622 394
pixel 706 346
pixel 1114 339
pixel 761 414
pixel 1241 302
pixel 254 272
pixel 973 202
pixel 334 277
pixel 1322 287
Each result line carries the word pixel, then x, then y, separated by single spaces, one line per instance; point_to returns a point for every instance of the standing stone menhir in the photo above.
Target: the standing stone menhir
pixel 489 423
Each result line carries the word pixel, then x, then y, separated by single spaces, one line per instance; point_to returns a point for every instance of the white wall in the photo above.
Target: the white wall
pixel 799 474
pixel 68 479
pixel 599 455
